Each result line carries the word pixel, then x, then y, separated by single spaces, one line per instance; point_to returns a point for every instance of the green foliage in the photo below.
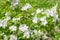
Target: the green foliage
pixel 26 17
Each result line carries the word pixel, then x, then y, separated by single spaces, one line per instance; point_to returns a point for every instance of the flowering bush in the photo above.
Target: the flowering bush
pixel 29 20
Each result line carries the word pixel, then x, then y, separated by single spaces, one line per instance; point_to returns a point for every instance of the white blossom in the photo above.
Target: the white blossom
pixel 16 19
pixel 44 23
pixel 55 18
pixel 23 27
pixel 3 23
pixel 57 29
pixel 27 6
pixel 34 20
pixel 47 12
pixel 45 37
pixel 0 23
pixel 13 37
pixel 43 20
pixel 5 37
pixel 13 28
pixel 7 0
pixel 35 31
pixel 39 11
pixel 32 13
pixel 38 33
pixel 6 14
pixel 14 4
pixel 52 11
pixel 27 34
pixel 8 18
pixel 2 33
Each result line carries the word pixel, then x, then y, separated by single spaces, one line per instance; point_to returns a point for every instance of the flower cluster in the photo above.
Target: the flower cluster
pixel 27 22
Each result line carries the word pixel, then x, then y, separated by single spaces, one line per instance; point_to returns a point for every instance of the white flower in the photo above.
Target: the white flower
pixel 8 18
pixel 23 27
pixel 13 28
pixel 3 23
pixel 43 20
pixel 38 33
pixel 52 11
pixel 0 23
pixel 5 37
pixel 44 23
pixel 32 13
pixel 45 37
pixel 34 20
pixel 13 37
pixel 47 12
pixel 35 31
pixel 26 34
pixel 14 4
pixel 6 14
pixel 16 19
pixel 57 29
pixel 27 6
pixel 1 33
pixel 39 11
pixel 55 18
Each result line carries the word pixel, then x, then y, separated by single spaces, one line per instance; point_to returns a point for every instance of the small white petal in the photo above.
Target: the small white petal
pixel 5 37
pixel 26 34
pixel 13 28
pixel 38 33
pixel 32 13
pixel 45 37
pixel 27 6
pixel 16 19
pixel 43 20
pixel 39 11
pixel 23 27
pixel 13 37
pixel 52 11
pixel 0 23
pixel 14 4
pixel 57 29
pixel 8 18
pixel 3 23
pixel 34 20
